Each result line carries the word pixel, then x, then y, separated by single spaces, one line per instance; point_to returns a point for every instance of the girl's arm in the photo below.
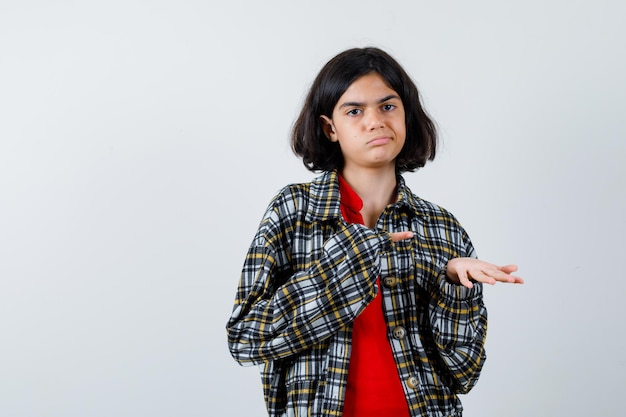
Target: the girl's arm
pixel 276 316
pixel 459 317
pixel 458 320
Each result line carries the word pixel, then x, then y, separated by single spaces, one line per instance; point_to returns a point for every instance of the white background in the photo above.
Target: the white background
pixel 140 143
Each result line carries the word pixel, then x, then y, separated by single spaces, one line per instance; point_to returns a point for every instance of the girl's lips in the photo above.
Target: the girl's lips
pixel 379 141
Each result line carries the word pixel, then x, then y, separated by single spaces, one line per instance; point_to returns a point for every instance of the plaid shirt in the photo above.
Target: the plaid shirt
pixel 308 274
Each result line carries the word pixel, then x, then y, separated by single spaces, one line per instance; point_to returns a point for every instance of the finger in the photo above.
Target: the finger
pixel 508 268
pixel 397 236
pixel 503 276
pixel 464 279
pixel 517 280
pixel 483 276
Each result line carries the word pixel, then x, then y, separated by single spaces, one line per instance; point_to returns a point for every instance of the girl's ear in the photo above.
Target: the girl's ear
pixel 329 128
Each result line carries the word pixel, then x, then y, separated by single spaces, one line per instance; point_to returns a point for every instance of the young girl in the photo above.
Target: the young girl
pixel 358 298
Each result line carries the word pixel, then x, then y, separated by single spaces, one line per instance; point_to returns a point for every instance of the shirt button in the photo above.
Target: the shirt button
pixel 412 382
pixel 399 332
pixel 390 282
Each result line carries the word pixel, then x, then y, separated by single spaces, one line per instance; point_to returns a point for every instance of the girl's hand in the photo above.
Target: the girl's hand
pixel 463 270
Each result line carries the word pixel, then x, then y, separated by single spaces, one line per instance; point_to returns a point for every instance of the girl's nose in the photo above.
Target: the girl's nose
pixel 374 120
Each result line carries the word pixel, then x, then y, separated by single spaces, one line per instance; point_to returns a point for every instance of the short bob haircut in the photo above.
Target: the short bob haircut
pixel 318 153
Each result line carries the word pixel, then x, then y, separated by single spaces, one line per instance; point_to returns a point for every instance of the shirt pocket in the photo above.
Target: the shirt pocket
pixel 305 398
pixel 305 383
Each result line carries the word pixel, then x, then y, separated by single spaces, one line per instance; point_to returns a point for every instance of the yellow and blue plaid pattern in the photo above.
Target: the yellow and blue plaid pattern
pixel 308 274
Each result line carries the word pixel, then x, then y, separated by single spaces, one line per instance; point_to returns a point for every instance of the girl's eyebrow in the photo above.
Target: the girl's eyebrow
pixel 358 104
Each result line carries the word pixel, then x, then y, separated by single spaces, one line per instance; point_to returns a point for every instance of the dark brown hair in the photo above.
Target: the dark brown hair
pixel 319 153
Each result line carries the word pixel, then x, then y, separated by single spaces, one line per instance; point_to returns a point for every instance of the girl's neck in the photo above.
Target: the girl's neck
pixel 376 187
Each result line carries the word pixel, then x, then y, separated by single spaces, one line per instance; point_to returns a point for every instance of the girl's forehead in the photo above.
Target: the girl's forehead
pixel 372 84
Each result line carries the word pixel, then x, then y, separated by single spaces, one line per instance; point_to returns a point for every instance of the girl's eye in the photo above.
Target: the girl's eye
pixel 354 112
pixel 388 107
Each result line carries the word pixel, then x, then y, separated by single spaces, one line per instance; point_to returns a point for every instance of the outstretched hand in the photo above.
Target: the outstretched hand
pixel 462 271
pixel 465 270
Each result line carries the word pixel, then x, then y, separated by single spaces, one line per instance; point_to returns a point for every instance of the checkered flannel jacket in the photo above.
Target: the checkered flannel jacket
pixel 308 274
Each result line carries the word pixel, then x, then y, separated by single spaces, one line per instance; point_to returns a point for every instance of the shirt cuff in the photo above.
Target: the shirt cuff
pixel 458 292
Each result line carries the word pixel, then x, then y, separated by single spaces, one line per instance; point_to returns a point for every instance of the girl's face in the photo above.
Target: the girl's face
pixel 369 124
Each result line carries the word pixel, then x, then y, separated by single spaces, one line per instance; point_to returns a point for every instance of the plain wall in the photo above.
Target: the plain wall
pixel 140 142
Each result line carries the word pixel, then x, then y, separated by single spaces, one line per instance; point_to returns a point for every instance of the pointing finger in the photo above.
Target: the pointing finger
pixel 397 236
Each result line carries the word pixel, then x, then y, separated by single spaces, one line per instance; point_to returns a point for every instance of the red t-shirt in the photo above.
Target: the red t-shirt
pixel 374 388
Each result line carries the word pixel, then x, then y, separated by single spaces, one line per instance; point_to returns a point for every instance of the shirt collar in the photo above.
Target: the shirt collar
pixel 324 197
pixel 324 201
pixel 409 200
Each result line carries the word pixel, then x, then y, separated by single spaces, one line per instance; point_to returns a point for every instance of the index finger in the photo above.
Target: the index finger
pixel 396 236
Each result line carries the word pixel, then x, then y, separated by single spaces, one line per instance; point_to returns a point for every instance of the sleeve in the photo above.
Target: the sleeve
pixel 276 316
pixel 459 321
